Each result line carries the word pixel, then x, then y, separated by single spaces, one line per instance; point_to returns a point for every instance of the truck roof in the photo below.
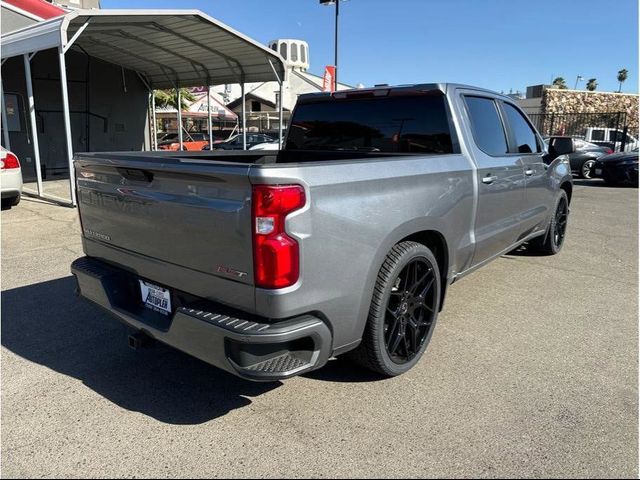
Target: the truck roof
pixel 422 87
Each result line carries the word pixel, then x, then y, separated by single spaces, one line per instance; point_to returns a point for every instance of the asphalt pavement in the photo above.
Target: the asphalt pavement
pixel 532 372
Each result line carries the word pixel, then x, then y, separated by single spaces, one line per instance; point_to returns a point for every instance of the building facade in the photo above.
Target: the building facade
pixel 262 99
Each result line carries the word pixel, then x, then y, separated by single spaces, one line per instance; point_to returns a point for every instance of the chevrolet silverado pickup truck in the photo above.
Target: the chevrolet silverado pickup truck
pixel 269 263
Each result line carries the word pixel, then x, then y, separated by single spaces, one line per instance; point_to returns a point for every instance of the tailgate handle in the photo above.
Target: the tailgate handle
pixel 136 174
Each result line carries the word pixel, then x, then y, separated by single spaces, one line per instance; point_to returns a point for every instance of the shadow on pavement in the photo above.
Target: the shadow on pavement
pixel 590 183
pixel 343 370
pixel 47 324
pixel 522 251
pixel 600 183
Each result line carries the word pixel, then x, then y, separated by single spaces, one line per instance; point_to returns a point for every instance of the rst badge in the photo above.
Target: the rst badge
pixel 231 272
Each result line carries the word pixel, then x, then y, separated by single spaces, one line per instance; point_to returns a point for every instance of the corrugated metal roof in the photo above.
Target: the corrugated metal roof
pixel 168 47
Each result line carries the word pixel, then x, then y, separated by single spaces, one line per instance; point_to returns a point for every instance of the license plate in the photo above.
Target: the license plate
pixel 156 298
pixel 598 171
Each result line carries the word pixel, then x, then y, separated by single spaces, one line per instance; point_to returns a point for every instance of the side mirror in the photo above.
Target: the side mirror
pixel 561 146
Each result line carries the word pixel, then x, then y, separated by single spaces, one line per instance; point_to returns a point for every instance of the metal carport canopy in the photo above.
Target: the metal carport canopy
pixel 169 48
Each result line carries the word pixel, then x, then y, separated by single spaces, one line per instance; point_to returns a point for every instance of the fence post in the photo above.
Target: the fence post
pixel 617 130
pixel 623 142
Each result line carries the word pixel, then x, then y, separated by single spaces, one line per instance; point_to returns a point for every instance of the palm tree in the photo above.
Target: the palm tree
pixel 622 76
pixel 169 98
pixel 592 84
pixel 560 83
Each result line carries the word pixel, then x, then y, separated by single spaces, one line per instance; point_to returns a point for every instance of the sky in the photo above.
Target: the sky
pixel 502 45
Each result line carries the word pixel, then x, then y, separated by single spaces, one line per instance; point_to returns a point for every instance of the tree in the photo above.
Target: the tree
pixel 622 76
pixel 592 84
pixel 169 98
pixel 560 83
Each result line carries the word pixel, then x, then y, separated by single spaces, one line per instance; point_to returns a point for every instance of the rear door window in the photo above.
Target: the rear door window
pixel 524 136
pixel 393 124
pixel 486 125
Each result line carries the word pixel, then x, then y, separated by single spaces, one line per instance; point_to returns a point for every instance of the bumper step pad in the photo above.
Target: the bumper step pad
pixel 283 363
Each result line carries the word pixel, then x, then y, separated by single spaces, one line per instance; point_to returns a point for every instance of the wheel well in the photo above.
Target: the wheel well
pixel 566 186
pixel 438 246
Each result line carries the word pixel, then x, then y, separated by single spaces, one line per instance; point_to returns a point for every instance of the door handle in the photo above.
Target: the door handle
pixel 489 179
pixel 528 173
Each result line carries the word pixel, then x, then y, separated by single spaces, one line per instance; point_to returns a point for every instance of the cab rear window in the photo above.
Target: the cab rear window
pixel 395 124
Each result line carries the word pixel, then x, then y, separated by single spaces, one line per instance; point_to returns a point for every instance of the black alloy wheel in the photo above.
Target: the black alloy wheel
pixel 560 224
pixel 410 311
pixel 551 243
pixel 403 312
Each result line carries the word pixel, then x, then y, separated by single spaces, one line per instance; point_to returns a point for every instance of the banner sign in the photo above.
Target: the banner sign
pixel 329 79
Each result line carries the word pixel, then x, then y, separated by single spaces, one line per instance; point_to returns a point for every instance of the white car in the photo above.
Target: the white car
pixel 10 178
pixel 266 146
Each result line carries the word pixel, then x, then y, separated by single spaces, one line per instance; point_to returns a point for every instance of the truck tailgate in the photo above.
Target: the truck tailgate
pixel 183 212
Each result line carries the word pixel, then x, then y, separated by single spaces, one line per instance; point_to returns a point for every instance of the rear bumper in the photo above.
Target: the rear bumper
pixel 242 344
pixel 11 183
pixel 10 193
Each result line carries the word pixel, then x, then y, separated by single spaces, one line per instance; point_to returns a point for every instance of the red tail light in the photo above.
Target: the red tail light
pixel 609 151
pixel 276 257
pixel 10 162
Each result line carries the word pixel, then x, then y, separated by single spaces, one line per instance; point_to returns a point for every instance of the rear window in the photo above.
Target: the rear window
pixel 395 124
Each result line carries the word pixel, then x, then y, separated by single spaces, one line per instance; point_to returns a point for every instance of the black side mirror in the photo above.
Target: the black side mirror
pixel 561 146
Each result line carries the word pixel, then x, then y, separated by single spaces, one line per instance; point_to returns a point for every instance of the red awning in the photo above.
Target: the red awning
pixel 39 8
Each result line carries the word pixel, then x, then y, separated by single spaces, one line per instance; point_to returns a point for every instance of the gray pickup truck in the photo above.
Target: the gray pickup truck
pixel 267 264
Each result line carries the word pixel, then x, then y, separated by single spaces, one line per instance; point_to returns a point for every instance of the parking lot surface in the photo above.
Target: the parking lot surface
pixel 532 371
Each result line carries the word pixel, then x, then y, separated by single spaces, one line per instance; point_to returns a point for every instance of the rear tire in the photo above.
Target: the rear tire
pixel 552 241
pixel 403 312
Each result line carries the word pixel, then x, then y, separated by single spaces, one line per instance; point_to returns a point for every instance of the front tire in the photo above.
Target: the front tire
pixel 586 169
pixel 551 243
pixel 403 312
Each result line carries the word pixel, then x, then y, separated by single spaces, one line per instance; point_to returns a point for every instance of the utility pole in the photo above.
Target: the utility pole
pixel 337 3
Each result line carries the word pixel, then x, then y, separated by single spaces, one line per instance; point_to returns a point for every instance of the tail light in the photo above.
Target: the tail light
pixel 276 257
pixel 609 151
pixel 11 161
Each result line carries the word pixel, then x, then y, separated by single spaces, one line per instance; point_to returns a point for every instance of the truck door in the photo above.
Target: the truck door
pixel 500 179
pixel 525 143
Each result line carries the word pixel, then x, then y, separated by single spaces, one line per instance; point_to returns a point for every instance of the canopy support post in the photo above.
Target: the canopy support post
pixel 34 125
pixel 5 125
pixel 154 130
pixel 280 113
pixel 209 121
pixel 244 117
pixel 67 124
pixel 179 97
